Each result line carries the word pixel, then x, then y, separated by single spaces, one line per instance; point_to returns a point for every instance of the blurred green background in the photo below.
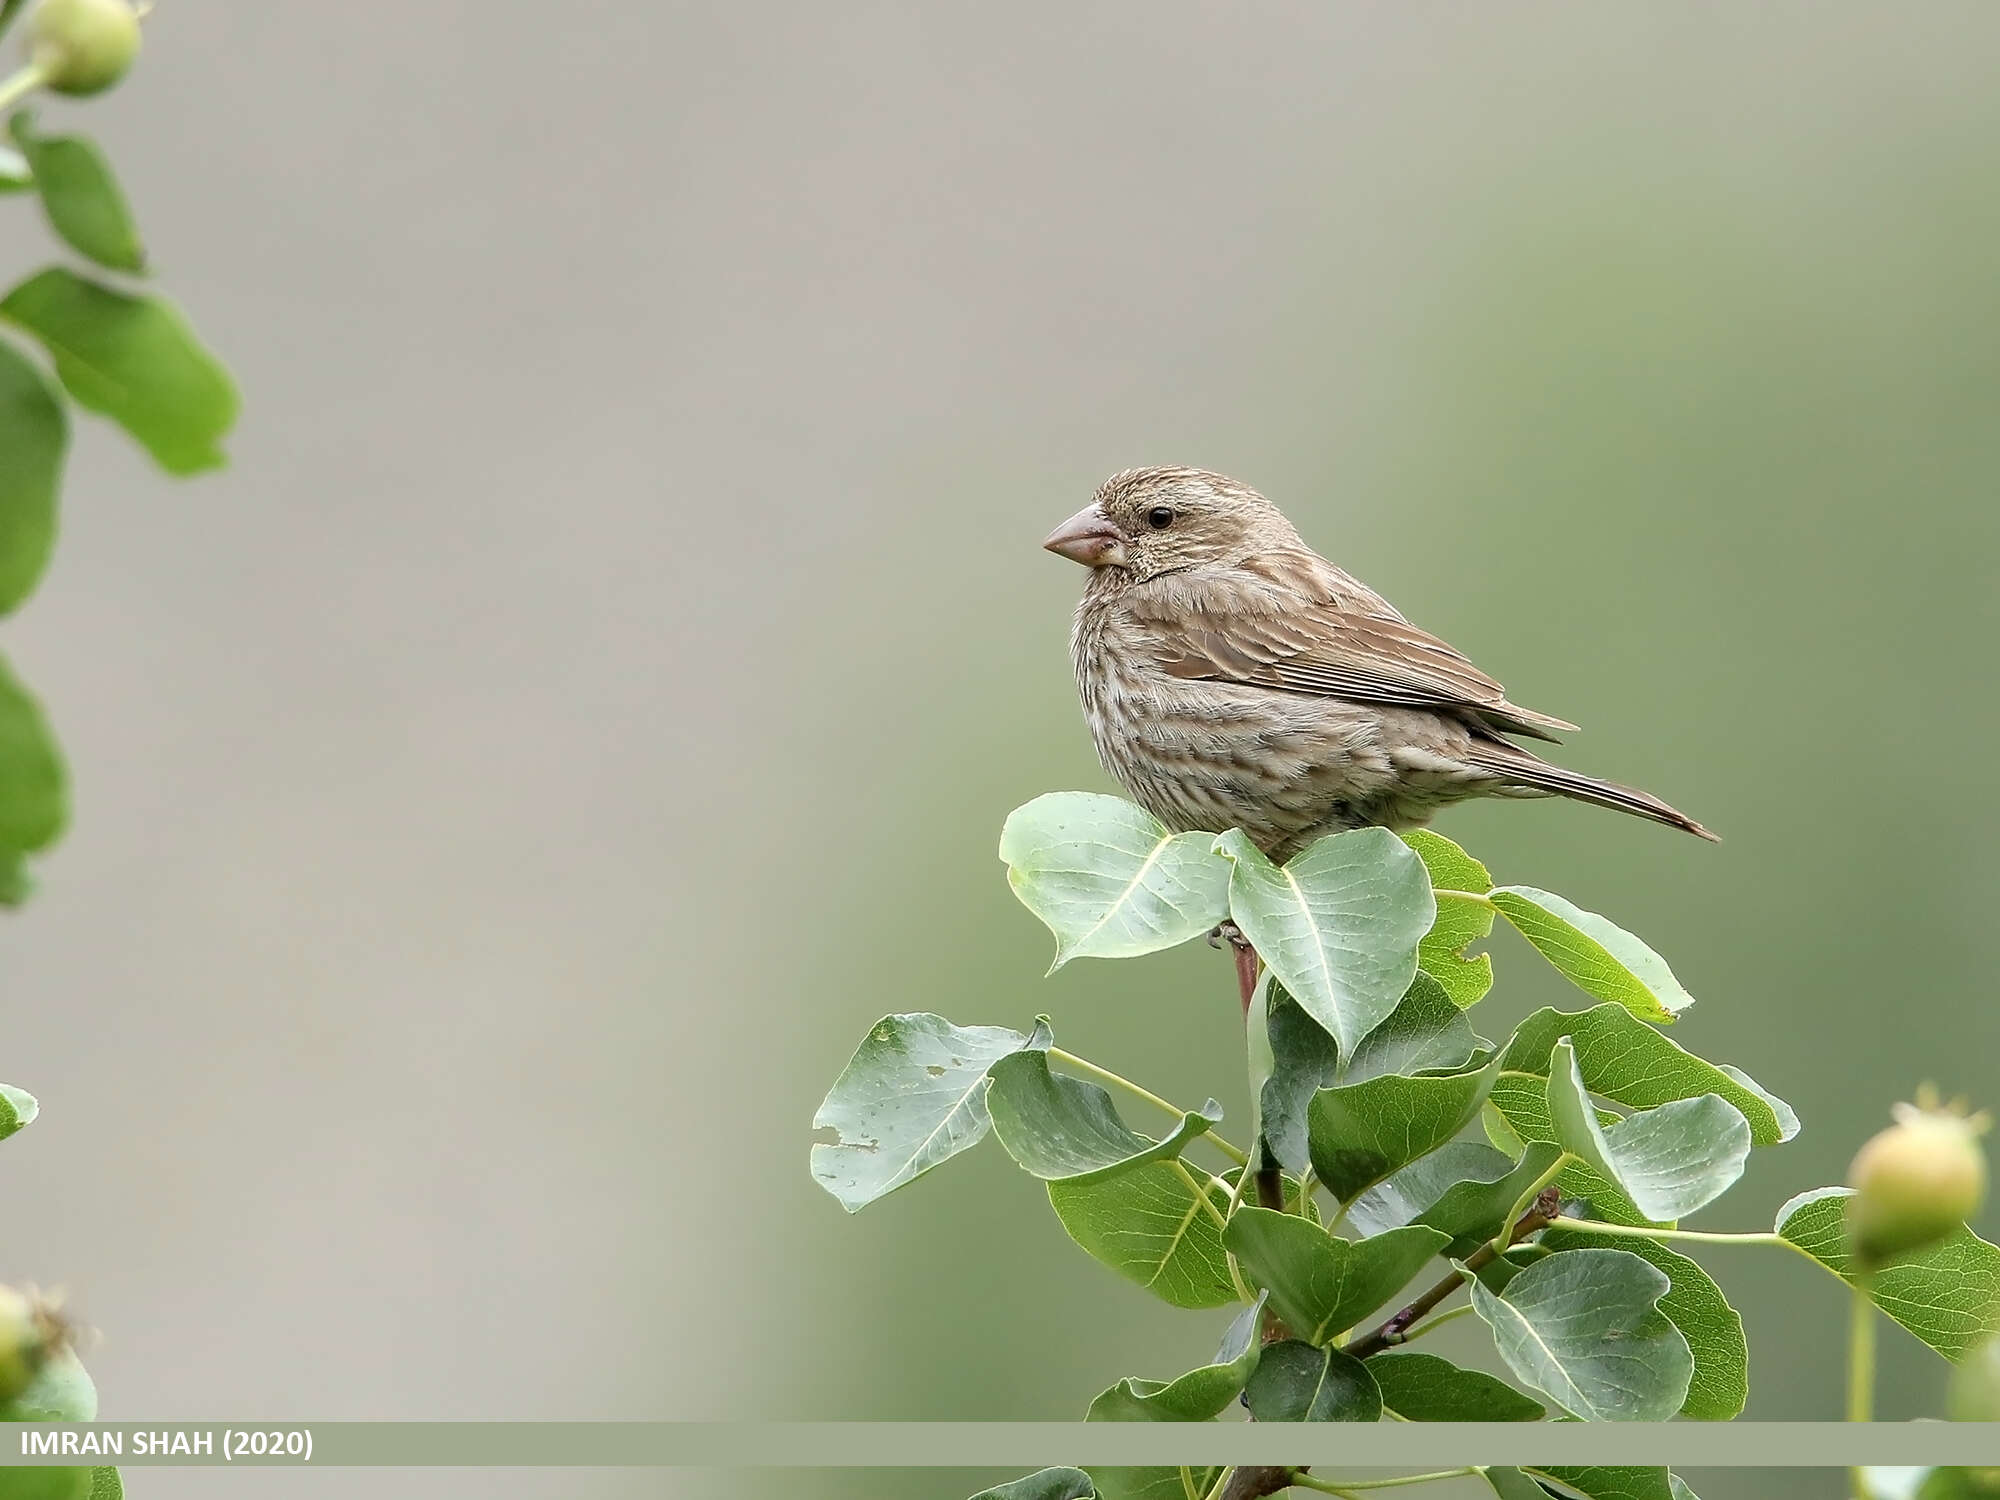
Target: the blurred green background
pixel 593 695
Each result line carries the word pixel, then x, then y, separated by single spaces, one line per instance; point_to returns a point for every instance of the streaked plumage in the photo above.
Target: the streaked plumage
pixel 1234 678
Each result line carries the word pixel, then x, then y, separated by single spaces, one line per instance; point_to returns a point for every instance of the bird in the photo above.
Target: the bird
pixel 1234 678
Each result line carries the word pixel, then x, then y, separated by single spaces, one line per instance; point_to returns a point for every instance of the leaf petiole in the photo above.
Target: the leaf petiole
pixel 20 84
pixel 1349 1486
pixel 1104 1075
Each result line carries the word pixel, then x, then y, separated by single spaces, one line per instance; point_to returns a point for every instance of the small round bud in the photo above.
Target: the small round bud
pixel 82 46
pixel 1974 1393
pixel 30 1332
pixel 1914 1183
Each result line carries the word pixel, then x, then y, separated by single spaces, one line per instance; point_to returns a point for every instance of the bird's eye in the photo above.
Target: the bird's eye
pixel 1160 517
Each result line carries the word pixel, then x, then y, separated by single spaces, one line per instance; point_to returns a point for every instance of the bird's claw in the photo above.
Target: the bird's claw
pixel 1230 933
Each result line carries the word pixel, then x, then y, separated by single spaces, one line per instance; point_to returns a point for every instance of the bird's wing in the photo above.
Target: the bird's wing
pixel 1301 625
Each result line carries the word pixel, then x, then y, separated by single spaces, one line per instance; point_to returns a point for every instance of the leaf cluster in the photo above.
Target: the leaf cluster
pixel 1395 1158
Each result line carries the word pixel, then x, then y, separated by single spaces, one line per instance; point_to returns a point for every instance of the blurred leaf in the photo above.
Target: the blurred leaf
pixel 7 10
pixel 134 359
pixel 18 1109
pixel 1612 1483
pixel 1048 1484
pixel 1952 1483
pixel 1107 878
pixel 1064 1129
pixel 1517 1116
pixel 1597 956
pixel 81 196
pixel 34 791
pixel 913 1095
pixel 1424 1388
pixel 34 435
pixel 1198 1396
pixel 1720 1385
pixel 1620 1057
pixel 1319 1285
pixel 1670 1161
pixel 1148 1226
pixel 1361 1133
pixel 1948 1295
pixel 1339 925
pixel 61 1391
pixel 1151 1483
pixel 1459 923
pixel 1295 1382
pixel 1584 1327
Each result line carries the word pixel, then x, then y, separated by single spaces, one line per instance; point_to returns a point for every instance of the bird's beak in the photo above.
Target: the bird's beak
pixel 1088 537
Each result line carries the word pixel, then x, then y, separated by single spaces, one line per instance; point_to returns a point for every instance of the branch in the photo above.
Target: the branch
pixel 1253 1481
pixel 1392 1332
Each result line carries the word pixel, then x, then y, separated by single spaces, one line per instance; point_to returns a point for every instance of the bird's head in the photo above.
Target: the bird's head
pixel 1153 521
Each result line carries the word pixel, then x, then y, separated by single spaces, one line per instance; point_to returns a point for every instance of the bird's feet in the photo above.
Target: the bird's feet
pixel 1231 934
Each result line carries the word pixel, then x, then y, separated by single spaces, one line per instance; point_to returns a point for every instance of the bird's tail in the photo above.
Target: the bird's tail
pixel 1520 768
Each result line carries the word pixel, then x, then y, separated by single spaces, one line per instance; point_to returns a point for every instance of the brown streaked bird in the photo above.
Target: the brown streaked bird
pixel 1234 678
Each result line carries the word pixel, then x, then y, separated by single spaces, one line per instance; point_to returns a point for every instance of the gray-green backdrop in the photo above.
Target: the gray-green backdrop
pixel 593 695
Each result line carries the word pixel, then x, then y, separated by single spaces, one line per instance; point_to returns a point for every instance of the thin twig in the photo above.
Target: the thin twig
pixel 1396 1329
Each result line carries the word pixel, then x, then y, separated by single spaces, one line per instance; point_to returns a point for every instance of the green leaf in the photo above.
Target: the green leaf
pixel 1670 1161
pixel 1361 1133
pixel 1597 956
pixel 1107 878
pixel 1620 1057
pixel 34 788
pixel 135 360
pixel 1425 1031
pixel 1474 1211
pixel 34 434
pixel 1695 1305
pixel 913 1095
pixel 1948 1295
pixel 1459 923
pixel 1612 1483
pixel 80 196
pixel 18 1108
pixel 1047 1484
pixel 1299 1059
pixel 1584 1327
pixel 1424 1388
pixel 1297 1383
pixel 1517 1116
pixel 1198 1396
pixel 1152 1483
pixel 1511 1484
pixel 1064 1129
pixel 1321 1286
pixel 1339 925
pixel 1148 1226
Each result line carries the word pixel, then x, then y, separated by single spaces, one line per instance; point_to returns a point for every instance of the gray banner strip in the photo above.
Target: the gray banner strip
pixel 1022 1445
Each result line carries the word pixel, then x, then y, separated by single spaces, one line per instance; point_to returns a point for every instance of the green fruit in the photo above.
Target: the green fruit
pixel 1914 1184
pixel 29 1334
pixel 62 1392
pixel 45 1483
pixel 82 46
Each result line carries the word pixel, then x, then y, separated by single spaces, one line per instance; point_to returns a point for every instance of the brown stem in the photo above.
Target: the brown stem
pixel 1252 1481
pixel 1391 1332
